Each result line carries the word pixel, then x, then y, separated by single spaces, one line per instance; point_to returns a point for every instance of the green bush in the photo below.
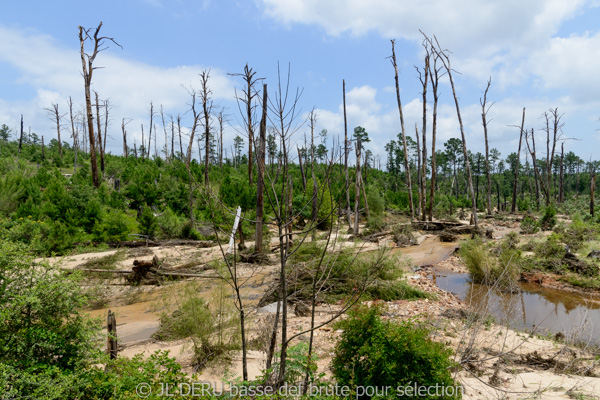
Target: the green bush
pixel 529 225
pixel 484 268
pixel 169 224
pixel 376 353
pixel 548 220
pixel 148 222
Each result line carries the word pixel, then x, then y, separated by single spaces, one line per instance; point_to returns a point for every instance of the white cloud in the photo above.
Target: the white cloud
pixel 54 71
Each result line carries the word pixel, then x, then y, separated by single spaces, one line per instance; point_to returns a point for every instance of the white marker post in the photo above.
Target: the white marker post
pixel 235 227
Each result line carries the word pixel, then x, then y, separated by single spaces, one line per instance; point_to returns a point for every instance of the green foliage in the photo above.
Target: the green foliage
pixel 377 353
pixel 115 227
pixel 548 220
pixel 235 191
pixel 148 222
pixel 324 204
pixel 529 225
pixel 41 327
pixel 169 224
pixel 503 271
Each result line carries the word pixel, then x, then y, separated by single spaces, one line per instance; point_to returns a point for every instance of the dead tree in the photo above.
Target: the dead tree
pixel 424 78
pixel 125 148
pixel 434 74
pixel 87 64
pixel 111 328
pixel 74 134
pixel 553 129
pixel 247 99
pixel 207 110
pixel 445 59
pixel 56 118
pixel 162 118
pixel 99 143
pixel 20 138
pixel 346 156
pixel 484 111
pixel 151 113
pixel 561 191
pixel 195 122
pixel 358 149
pixel 406 164
pixel 221 117
pixel 179 133
pixel 513 206
pixel 106 103
pixel 260 179
pixel 142 149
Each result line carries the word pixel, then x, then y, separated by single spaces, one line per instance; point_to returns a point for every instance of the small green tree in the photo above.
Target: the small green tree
pixel 379 354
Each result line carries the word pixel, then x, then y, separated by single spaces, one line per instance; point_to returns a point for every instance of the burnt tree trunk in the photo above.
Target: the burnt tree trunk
pixel 261 174
pixel 513 206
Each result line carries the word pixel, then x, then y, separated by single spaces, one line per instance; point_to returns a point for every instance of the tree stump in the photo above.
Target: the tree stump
pixel 111 327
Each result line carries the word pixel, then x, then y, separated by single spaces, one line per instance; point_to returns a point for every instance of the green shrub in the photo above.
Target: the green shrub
pixel 115 227
pixel 548 220
pixel 529 225
pixel 169 224
pixel 148 222
pixel 377 353
pixel 484 268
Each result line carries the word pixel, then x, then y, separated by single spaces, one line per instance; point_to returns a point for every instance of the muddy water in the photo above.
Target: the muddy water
pixel 547 310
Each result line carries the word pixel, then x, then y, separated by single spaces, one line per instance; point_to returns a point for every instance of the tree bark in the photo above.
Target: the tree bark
pixel 488 176
pixel 98 123
pixel 261 174
pixel 513 206
pixel 346 156
pixel 406 165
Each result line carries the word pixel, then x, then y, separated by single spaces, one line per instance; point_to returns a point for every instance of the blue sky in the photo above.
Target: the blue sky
pixel 539 54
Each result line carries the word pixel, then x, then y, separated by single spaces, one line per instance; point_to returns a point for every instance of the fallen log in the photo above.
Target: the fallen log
pixel 435 225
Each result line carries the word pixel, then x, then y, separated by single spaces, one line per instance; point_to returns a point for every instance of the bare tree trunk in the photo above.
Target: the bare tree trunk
pixel 260 181
pixel 142 147
pixel 561 192
pixel 20 138
pixel 162 117
pixel 150 130
pixel 419 170
pixel 172 136
pixel 406 165
pixel 434 73
pixel 484 111
pixel 446 61
pixel 88 69
pixel 98 123
pixel 106 109
pixel 302 173
pixel 207 110
pixel 179 133
pixel 346 156
pixel 43 149
pixel 313 119
pixel 74 135
pixel 57 118
pixel 125 150
pixel 423 174
pixel 358 181
pixel 513 206
pixel 221 120
pixel 592 190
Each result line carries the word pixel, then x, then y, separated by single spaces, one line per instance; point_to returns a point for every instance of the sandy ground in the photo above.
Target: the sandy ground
pixel 506 364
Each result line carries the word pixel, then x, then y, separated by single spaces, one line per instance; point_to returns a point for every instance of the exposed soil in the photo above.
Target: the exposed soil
pixel 503 364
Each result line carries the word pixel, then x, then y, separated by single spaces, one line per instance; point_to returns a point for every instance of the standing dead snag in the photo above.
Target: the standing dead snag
pixel 260 181
pixel 423 172
pixel 406 165
pixel 111 328
pixel 346 156
pixel 484 110
pixel 87 64
pixel 249 93
pixel 99 144
pixel 74 134
pixel 434 74
pixel 56 118
pixel 207 109
pixel 513 206
pixel 125 149
pixel 445 59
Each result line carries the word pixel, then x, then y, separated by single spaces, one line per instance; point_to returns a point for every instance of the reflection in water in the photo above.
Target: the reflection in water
pixel 548 310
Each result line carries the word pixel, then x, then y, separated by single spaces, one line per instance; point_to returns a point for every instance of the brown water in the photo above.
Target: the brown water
pixel 534 307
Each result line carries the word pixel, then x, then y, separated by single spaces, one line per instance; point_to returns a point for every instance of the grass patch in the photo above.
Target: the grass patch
pixel 108 262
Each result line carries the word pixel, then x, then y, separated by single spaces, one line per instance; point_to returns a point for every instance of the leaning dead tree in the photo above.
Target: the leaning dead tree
pixel 445 59
pixel 87 63
pixel 406 164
